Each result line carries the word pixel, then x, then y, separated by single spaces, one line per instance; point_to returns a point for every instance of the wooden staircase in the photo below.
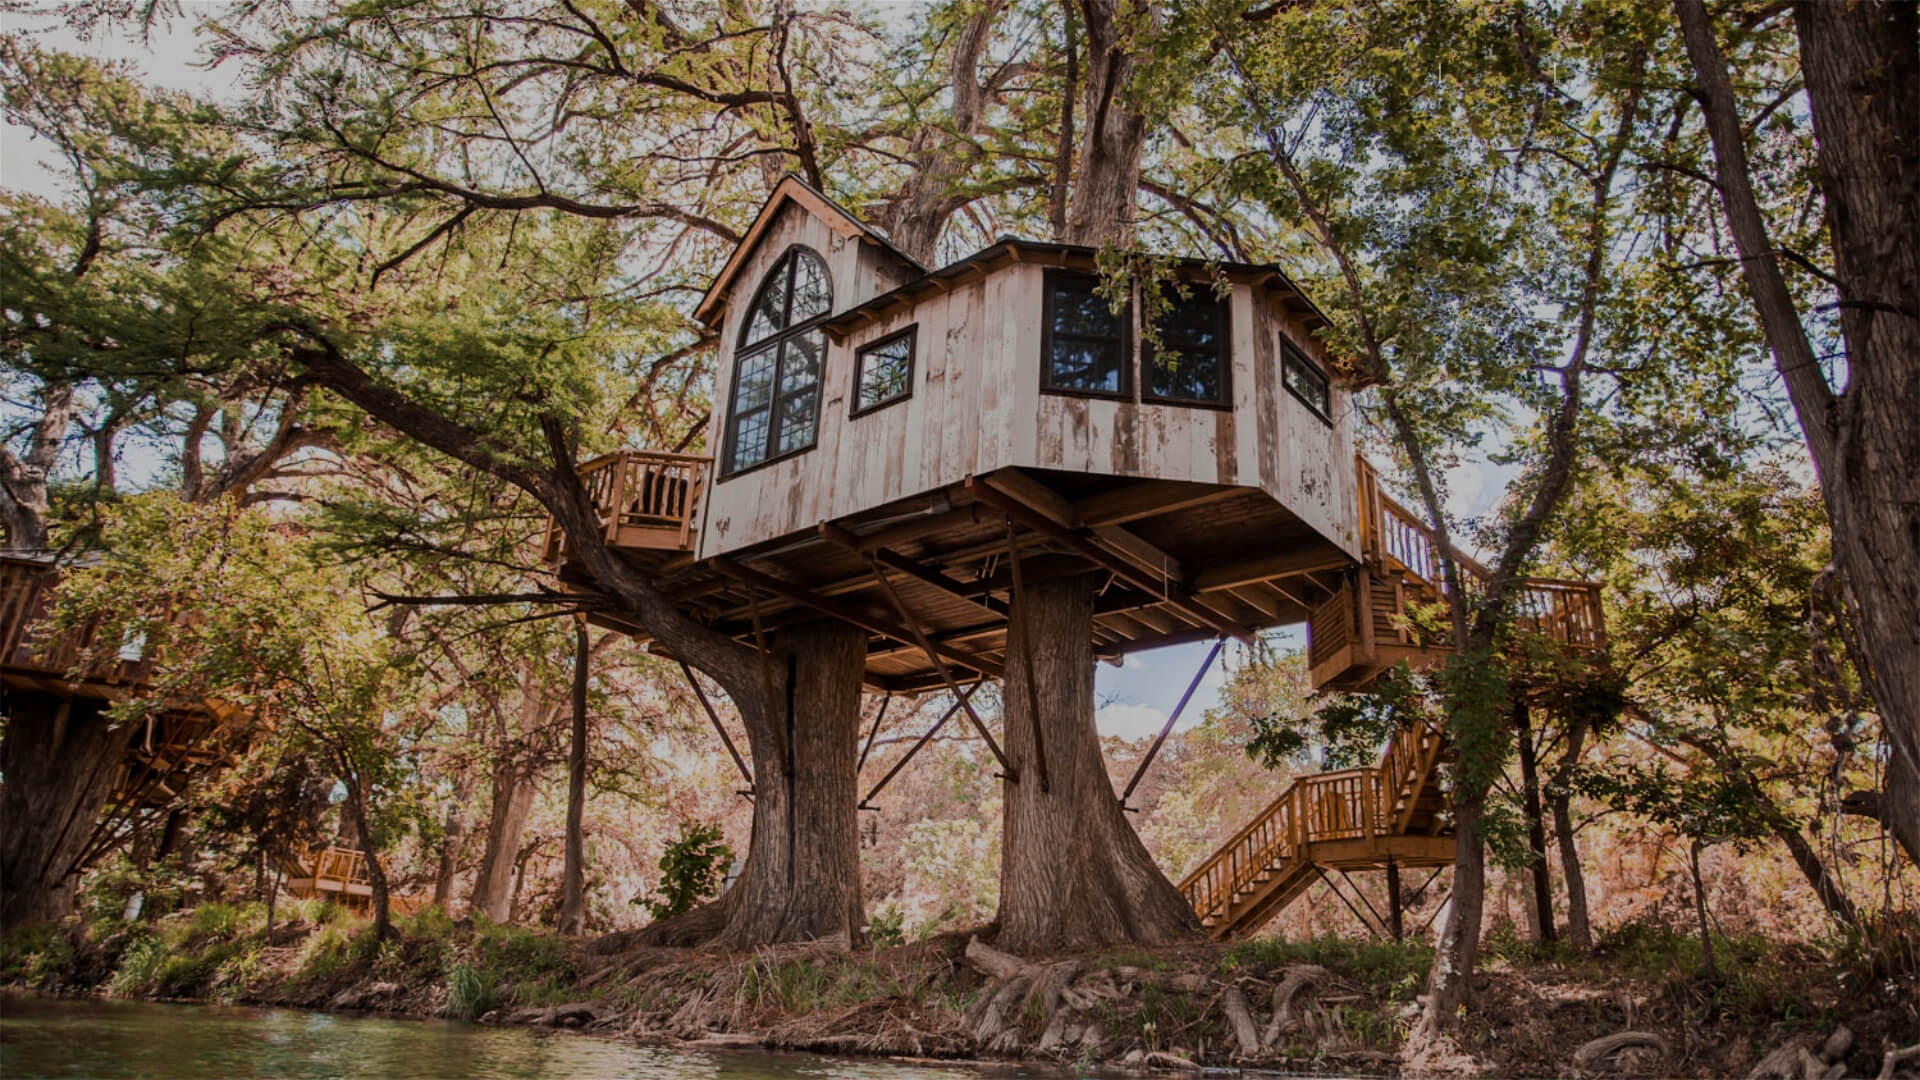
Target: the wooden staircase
pixel 1394 813
pixel 1351 819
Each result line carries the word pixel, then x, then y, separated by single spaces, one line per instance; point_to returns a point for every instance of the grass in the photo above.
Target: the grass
pixel 1400 966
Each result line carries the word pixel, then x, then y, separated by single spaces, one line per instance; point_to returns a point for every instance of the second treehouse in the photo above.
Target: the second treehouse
pixel 911 451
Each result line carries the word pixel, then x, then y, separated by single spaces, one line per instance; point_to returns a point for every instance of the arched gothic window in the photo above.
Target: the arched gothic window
pixel 775 407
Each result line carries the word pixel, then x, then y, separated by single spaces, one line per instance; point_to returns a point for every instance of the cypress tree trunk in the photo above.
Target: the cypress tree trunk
pixel 512 803
pixel 573 907
pixel 59 759
pixel 1073 874
pixel 801 881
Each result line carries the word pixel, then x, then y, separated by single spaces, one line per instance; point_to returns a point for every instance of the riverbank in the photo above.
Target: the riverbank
pixel 1329 1005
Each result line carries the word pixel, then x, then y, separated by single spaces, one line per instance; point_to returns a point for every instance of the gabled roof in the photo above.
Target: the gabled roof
pixel 791 189
pixel 1010 250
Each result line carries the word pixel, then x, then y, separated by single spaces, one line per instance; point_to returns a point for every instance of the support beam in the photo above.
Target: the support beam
pixel 1167 728
pixel 961 702
pixel 933 657
pixel 738 761
pixel 1177 596
pixel 920 572
pixel 877 717
pixel 1146 499
pixel 746 575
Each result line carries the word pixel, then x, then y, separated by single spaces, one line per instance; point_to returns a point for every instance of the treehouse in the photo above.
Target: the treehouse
pixel 901 448
pixel 58 683
pixel 907 449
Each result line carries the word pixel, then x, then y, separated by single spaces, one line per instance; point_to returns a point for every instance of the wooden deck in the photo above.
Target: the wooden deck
pixel 340 874
pixel 1394 605
pixel 1355 819
pixel 1179 561
pixel 169 750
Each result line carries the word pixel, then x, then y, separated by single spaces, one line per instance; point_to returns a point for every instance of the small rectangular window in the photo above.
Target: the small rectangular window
pixel 883 371
pixel 1305 381
pixel 1085 346
pixel 1190 360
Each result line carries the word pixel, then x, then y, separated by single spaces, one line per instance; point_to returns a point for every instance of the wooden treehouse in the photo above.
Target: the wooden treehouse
pixel 165 753
pixel 340 874
pixel 905 449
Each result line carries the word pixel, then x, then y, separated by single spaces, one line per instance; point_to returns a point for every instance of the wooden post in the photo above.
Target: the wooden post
pixel 1395 914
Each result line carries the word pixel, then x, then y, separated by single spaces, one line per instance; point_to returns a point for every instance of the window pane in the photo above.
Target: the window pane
pixel 800 361
pixel 1305 379
pixel 756 381
pixel 885 372
pixel 749 440
pixel 1078 364
pixel 770 307
pixel 797 416
pixel 1187 359
pixel 1188 374
pixel 1077 309
pixel 811 296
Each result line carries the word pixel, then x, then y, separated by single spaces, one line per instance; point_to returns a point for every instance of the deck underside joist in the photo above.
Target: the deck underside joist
pixel 1174 562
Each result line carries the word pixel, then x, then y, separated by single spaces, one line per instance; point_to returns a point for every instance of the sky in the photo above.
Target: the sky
pixel 1133 700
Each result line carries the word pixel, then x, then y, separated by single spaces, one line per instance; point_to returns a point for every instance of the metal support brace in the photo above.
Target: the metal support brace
pixel 1335 890
pixel 877 717
pixel 738 761
pixel 1026 652
pixel 1167 728
pixel 946 674
pixel 923 740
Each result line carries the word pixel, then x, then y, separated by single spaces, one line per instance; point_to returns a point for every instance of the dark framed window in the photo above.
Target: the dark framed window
pixel 1305 381
pixel 774 410
pixel 883 371
pixel 1085 346
pixel 1190 359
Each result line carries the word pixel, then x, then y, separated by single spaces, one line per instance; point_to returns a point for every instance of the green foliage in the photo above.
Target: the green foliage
pixel 1402 966
pixel 35 955
pixel 470 990
pixel 888 927
pixel 693 867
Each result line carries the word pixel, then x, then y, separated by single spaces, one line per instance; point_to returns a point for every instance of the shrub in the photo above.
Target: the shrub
pixel 888 927
pixel 38 955
pixel 693 867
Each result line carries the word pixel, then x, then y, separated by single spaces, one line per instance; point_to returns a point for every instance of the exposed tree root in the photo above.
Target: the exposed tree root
pixel 1600 1050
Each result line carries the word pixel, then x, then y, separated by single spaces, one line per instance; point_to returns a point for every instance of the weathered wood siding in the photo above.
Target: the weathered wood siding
pixel 976 406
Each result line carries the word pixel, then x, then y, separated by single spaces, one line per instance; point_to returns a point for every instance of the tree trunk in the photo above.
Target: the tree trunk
pixel 1862 66
pixel 381 900
pixel 1102 207
pixel 1073 874
pixel 1449 984
pixel 573 905
pixel 456 834
pixel 512 802
pixel 1536 825
pixel 1831 895
pixel 1579 932
pixel 801 881
pixel 1700 910
pixel 1863 88
pixel 59 759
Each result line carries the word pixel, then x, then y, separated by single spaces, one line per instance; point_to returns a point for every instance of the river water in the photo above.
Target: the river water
pixel 124 1040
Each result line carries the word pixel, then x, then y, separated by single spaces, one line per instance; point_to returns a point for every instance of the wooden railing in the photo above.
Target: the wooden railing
pixel 29 586
pixel 644 499
pixel 1345 805
pixel 343 866
pixel 1397 540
